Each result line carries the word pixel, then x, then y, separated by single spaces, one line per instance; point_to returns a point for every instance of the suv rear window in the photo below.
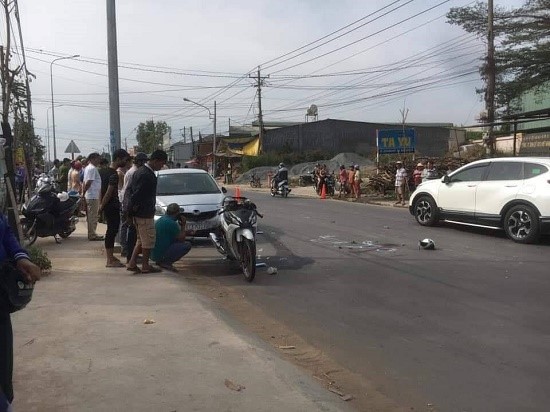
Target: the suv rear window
pixel 505 171
pixel 533 170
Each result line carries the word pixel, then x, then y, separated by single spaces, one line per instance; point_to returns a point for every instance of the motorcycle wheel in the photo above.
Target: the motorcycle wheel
pixel 29 233
pixel 65 234
pixel 248 259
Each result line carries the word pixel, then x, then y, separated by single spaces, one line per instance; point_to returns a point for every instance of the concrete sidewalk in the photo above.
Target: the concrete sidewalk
pixel 82 345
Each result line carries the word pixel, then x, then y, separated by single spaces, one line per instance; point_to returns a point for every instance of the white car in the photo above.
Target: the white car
pixel 197 194
pixel 510 193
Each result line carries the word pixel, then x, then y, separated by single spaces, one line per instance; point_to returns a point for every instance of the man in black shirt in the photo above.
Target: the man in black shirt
pixel 110 204
pixel 141 207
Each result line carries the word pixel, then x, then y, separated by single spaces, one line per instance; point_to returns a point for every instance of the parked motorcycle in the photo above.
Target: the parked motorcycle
pixel 49 214
pixel 282 189
pixel 255 181
pixel 330 183
pixel 307 179
pixel 236 237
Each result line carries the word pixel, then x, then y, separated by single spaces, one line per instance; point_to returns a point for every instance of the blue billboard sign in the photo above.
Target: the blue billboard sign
pixel 393 141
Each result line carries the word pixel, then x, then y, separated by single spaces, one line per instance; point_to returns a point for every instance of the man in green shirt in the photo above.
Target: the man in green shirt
pixel 170 244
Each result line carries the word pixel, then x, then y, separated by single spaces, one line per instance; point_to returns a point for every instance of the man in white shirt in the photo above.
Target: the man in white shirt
pixel 91 193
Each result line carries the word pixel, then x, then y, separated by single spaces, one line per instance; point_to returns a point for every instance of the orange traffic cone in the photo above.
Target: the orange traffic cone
pixel 237 191
pixel 323 191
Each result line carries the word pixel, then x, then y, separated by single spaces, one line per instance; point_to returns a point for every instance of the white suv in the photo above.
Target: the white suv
pixel 510 193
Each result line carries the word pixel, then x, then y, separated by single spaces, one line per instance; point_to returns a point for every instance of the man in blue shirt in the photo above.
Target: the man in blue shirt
pixel 10 251
pixel 170 244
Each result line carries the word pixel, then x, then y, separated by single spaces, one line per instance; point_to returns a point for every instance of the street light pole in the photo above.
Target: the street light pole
pixel 185 99
pixel 51 89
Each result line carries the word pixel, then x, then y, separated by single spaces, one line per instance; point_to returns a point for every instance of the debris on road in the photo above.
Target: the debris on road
pixel 272 270
pixel 287 347
pixel 234 386
pixel 148 321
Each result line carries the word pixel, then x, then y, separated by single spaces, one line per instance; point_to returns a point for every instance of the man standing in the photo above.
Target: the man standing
pixel 110 204
pixel 54 171
pixel 128 229
pixel 170 244
pixel 20 179
pixel 64 174
pixel 142 201
pixel 400 183
pixel 10 251
pixel 91 192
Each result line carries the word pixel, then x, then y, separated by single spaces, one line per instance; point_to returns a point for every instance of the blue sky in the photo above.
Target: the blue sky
pixel 205 51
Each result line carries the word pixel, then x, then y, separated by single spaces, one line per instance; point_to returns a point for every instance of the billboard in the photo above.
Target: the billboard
pixel 394 141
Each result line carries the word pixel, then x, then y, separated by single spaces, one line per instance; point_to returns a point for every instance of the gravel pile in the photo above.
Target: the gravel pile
pixel 346 159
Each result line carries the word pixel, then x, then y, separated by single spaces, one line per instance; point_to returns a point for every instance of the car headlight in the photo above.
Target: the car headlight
pixel 160 210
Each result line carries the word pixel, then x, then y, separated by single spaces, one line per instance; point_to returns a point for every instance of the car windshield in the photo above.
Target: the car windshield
pixel 186 184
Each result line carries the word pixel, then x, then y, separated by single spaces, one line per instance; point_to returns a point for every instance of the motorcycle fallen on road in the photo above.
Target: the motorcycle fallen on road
pixel 255 181
pixel 236 236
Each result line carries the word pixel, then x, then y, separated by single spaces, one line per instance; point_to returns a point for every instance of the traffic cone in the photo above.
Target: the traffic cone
pixel 237 191
pixel 324 191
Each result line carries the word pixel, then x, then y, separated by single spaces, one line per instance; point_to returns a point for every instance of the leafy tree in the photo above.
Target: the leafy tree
pixel 522 46
pixel 149 135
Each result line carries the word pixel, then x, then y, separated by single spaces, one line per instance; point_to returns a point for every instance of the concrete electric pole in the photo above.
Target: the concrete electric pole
pixel 490 96
pixel 114 107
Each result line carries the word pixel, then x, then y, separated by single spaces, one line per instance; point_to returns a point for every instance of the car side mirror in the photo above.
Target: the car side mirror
pixel 224 190
pixel 446 179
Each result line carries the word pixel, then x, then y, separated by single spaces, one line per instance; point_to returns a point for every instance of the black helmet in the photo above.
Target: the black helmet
pixel 281 165
pixel 17 293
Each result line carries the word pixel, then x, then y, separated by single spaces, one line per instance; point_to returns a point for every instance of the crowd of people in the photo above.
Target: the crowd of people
pixel 402 181
pixel 124 191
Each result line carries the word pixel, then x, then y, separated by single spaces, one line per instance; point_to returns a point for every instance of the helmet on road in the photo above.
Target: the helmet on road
pixel 281 165
pixel 427 244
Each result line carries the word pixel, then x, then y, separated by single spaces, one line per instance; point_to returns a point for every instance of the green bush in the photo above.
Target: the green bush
pixel 39 258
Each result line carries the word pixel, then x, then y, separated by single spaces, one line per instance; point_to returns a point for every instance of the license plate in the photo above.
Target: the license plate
pixel 197 226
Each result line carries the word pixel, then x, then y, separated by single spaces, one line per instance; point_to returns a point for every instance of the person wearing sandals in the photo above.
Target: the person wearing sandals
pixel 110 205
pixel 170 244
pixel 91 192
pixel 141 207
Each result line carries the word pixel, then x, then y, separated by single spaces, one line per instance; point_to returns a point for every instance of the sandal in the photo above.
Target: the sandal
pixel 134 269
pixel 152 269
pixel 170 268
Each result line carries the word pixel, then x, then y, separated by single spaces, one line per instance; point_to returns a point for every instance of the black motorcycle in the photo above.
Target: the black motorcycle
pixel 330 185
pixel 48 214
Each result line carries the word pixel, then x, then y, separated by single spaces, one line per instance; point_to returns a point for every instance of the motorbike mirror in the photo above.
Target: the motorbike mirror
pixel 224 190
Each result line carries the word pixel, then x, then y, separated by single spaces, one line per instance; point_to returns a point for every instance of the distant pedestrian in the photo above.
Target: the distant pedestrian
pixel 143 191
pixel 400 183
pixel 357 182
pixel 351 180
pixel 20 180
pixel 75 185
pixel 54 171
pixel 429 171
pixel 63 178
pixel 343 178
pixel 417 175
pixel 111 205
pixel 91 192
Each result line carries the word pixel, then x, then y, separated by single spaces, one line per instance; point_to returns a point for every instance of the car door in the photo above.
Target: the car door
pixel 500 186
pixel 456 197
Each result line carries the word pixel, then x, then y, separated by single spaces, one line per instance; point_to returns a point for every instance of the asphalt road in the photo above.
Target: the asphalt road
pixel 465 327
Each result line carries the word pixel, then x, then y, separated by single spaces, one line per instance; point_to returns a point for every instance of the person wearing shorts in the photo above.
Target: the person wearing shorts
pixel 141 207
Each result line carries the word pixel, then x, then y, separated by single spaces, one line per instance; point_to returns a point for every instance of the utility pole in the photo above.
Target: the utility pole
pixel 259 82
pixel 114 107
pixel 490 94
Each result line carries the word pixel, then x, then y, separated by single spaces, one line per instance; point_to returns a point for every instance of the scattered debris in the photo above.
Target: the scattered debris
pixel 347 397
pixel 29 342
pixel 287 347
pixel 336 391
pixel 272 270
pixel 234 386
pixel 148 322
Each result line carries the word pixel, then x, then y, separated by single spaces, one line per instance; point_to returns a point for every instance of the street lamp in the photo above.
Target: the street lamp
pixel 185 99
pixel 51 88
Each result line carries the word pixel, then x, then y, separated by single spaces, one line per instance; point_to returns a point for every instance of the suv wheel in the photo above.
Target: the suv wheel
pixel 425 211
pixel 521 224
